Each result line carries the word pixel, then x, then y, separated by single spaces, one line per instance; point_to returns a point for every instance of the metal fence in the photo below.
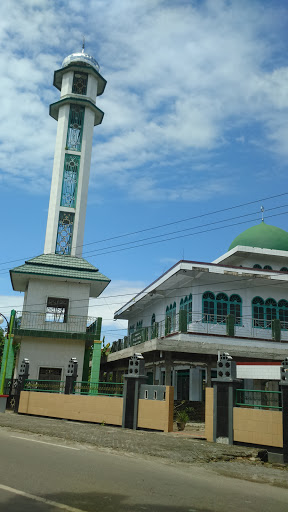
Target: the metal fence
pixel 80 387
pixel 48 386
pixel 258 399
pixel 98 388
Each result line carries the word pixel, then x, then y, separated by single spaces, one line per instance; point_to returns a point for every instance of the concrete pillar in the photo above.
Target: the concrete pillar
pixel 168 364
pixel 209 367
pixel 96 358
pixel 10 360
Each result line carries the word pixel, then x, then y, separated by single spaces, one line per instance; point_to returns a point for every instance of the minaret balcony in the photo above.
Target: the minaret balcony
pixel 44 325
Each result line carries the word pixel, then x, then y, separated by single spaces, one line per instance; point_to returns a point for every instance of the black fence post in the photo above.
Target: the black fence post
pixel 284 388
pixel 22 377
pixel 71 376
pixel 132 382
pixel 224 386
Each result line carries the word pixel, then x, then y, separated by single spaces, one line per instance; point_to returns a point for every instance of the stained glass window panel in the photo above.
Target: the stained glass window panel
pixel 75 128
pixel 64 233
pixel 70 181
pixel 80 83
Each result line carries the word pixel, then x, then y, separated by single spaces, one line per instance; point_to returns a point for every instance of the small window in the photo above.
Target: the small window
pixel 155 395
pixel 284 269
pixel 146 394
pixel 257 266
pixel 267 267
pixel 57 310
pixel 80 83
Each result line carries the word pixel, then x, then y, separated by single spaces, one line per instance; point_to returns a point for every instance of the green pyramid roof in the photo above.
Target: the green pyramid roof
pixel 58 267
pixel 263 236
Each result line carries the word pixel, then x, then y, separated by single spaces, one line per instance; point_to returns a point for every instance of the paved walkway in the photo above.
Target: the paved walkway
pixel 237 461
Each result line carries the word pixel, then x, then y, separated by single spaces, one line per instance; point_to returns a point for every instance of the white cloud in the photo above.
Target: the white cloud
pixel 113 298
pixel 180 77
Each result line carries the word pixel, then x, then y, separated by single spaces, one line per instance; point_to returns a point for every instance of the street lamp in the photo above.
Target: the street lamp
pixel 9 335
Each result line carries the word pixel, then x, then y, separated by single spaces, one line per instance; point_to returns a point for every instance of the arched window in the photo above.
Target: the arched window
pixel 235 306
pixel 257 266
pixel 258 312
pixel 187 304
pixel 268 267
pixel 222 308
pixel 171 312
pixel 139 325
pixel 208 307
pixel 270 312
pixel 284 269
pixel 283 313
pixel 131 329
pixel 153 319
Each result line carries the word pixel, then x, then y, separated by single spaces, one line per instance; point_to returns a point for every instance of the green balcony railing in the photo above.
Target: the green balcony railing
pixel 258 399
pixel 44 324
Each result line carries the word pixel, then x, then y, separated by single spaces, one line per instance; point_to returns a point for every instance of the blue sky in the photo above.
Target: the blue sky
pixel 195 121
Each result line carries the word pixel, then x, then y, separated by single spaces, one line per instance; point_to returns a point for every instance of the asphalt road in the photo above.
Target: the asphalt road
pixel 42 474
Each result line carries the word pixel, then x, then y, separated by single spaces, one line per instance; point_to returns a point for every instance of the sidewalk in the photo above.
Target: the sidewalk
pixel 175 447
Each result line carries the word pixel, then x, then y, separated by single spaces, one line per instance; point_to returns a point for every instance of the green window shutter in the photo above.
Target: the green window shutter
pixel 230 325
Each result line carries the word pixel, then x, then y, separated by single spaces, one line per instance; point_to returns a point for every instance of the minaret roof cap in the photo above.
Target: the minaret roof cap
pixel 82 57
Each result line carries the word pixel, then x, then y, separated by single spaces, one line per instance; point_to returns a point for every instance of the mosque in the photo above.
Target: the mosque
pixel 236 304
pixel 180 322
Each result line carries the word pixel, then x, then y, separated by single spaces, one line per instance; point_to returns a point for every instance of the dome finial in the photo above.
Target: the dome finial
pixel 83 45
pixel 262 210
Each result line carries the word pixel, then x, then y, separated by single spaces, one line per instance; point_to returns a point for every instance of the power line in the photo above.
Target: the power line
pixel 187 229
pixel 181 236
pixel 241 280
pixel 165 225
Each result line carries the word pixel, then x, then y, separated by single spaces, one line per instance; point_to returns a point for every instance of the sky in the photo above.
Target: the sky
pixel 193 141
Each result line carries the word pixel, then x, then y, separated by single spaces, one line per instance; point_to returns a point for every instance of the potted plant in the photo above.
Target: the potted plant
pixel 181 419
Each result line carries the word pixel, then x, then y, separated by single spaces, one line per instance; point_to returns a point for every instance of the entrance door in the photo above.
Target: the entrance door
pixel 183 378
pixel 53 376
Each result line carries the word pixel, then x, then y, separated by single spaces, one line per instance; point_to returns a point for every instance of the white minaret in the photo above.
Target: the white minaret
pixel 80 83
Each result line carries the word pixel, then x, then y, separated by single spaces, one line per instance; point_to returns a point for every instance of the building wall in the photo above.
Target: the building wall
pixel 40 289
pixel 227 284
pixel 251 426
pixel 152 414
pixel 51 353
pixel 257 427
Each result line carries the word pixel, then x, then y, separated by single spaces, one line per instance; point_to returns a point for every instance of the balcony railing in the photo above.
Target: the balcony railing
pixel 204 324
pixel 28 323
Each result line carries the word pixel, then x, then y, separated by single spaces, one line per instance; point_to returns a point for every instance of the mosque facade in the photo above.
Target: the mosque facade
pixel 236 304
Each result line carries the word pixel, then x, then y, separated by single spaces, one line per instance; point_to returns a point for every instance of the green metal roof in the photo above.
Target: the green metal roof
pixel 263 236
pixel 57 266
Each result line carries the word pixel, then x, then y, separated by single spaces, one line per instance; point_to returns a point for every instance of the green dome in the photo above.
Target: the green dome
pixel 263 236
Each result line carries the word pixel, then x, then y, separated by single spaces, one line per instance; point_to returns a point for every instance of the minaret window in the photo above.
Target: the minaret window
pixel 70 181
pixel 80 83
pixel 64 233
pixel 57 310
pixel 75 128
